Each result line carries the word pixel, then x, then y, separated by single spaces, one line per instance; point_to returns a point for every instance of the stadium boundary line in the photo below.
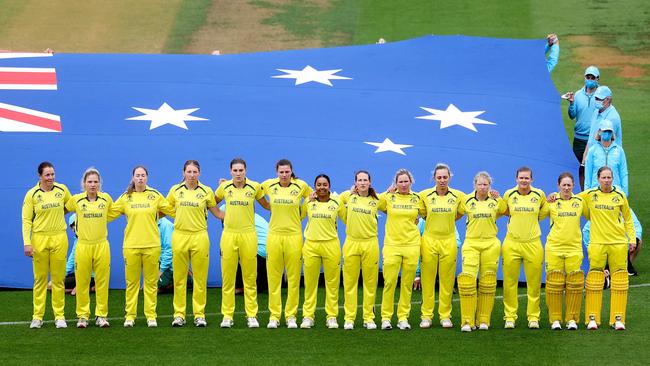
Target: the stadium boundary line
pixel 22 322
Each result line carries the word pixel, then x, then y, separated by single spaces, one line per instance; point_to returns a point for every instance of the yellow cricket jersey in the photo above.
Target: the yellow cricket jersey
pixel 191 206
pixel 566 234
pixel 525 213
pixel 141 211
pixel 359 215
pixel 321 219
pixel 92 216
pixel 610 216
pixel 441 212
pixel 240 205
pixel 285 205
pixel 401 212
pixel 481 216
pixel 44 211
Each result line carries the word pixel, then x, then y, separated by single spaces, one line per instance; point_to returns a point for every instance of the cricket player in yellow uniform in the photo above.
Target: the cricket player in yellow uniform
pixel 401 247
pixel 564 255
pixel 322 246
pixel 526 207
pixel 239 242
pixel 284 242
pixel 612 234
pixel 141 205
pixel 480 254
pixel 360 250
pixel 92 253
pixel 191 201
pixel 438 246
pixel 45 240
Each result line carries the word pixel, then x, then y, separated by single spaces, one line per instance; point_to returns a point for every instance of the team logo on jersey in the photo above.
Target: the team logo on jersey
pixel 39 199
pixel 575 205
pixel 200 196
pixel 331 208
pixel 492 205
pixel 58 195
pixel 275 190
pixel 515 200
pixel 472 206
pixel 451 201
pixel 230 193
pixel 129 198
pixel 101 206
pixel 534 200
pixel 249 194
pixel 181 194
pixel 595 197
pixel 313 206
pixel 393 198
pixel 616 199
pixel 372 204
pixel 559 204
pixel 151 197
pixel 84 207
pixel 294 192
pixel 414 200
pixel 354 200
pixel 433 200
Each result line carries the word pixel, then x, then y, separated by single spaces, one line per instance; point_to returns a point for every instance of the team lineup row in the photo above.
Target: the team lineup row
pixel 290 200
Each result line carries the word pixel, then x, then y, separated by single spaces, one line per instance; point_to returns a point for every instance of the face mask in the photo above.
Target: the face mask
pixel 606 135
pixel 590 84
pixel 598 105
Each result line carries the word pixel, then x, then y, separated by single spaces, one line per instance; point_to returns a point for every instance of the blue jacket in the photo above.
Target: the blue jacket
pixel 553 56
pixel 613 157
pixel 611 114
pixel 584 112
pixel 166 229
pixel 69 265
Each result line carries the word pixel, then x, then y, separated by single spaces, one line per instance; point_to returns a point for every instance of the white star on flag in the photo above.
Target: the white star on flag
pixel 309 74
pixel 388 145
pixel 453 116
pixel 165 114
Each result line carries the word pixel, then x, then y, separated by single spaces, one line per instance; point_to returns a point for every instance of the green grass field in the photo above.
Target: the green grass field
pixel 612 35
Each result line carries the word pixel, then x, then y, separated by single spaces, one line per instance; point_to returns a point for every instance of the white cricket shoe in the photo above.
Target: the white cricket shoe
pixel 446 323
pixel 152 323
pixel 36 324
pixel 178 322
pixel 571 325
pixel 200 322
pixel 273 324
pixel 307 323
pixel 370 325
pixel 332 323
pixel 129 323
pixel 592 325
pixel 227 323
pixel 466 328
pixel 82 323
pixel 556 325
pixel 385 325
pixel 60 324
pixel 101 322
pixel 403 325
pixel 425 323
pixel 348 325
pixel 483 326
pixel 252 322
pixel 618 325
pixel 534 324
pixel 509 325
pixel 292 324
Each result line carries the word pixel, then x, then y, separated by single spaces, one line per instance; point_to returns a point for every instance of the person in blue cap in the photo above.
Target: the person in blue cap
pixel 603 98
pixel 552 48
pixel 582 109
pixel 606 152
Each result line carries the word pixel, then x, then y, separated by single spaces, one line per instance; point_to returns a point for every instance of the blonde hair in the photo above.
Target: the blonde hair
pixel 91 171
pixel 403 171
pixel 483 174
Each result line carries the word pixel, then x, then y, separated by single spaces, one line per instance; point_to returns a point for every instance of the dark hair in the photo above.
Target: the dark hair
pixel 43 165
pixel 603 168
pixel 322 176
pixel 282 162
pixel 238 161
pixel 565 175
pixel 524 169
pixel 371 191
pixel 190 162
pixel 131 187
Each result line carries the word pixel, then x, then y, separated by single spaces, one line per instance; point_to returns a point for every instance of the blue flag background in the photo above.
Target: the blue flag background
pixel 321 128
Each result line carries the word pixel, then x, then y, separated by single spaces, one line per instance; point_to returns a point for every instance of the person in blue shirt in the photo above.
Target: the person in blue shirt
pixel 603 99
pixel 552 48
pixel 582 109
pixel 606 152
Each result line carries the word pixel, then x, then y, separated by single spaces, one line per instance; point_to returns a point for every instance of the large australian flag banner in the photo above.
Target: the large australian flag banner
pixel 473 103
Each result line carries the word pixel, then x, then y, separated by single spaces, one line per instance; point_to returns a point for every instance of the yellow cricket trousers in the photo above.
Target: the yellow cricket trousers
pixel 327 253
pixel 137 261
pixel 88 259
pixel 480 257
pixel 531 254
pixel 49 257
pixel 283 251
pixel 396 257
pixel 438 259
pixel 190 248
pixel 360 255
pixel 238 248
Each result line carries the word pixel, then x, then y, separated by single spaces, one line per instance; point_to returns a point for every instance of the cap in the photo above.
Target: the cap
pixel 72 219
pixel 606 125
pixel 592 70
pixel 602 92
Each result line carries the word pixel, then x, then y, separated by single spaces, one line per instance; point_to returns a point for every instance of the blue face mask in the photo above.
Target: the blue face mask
pixel 591 84
pixel 606 135
pixel 598 105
